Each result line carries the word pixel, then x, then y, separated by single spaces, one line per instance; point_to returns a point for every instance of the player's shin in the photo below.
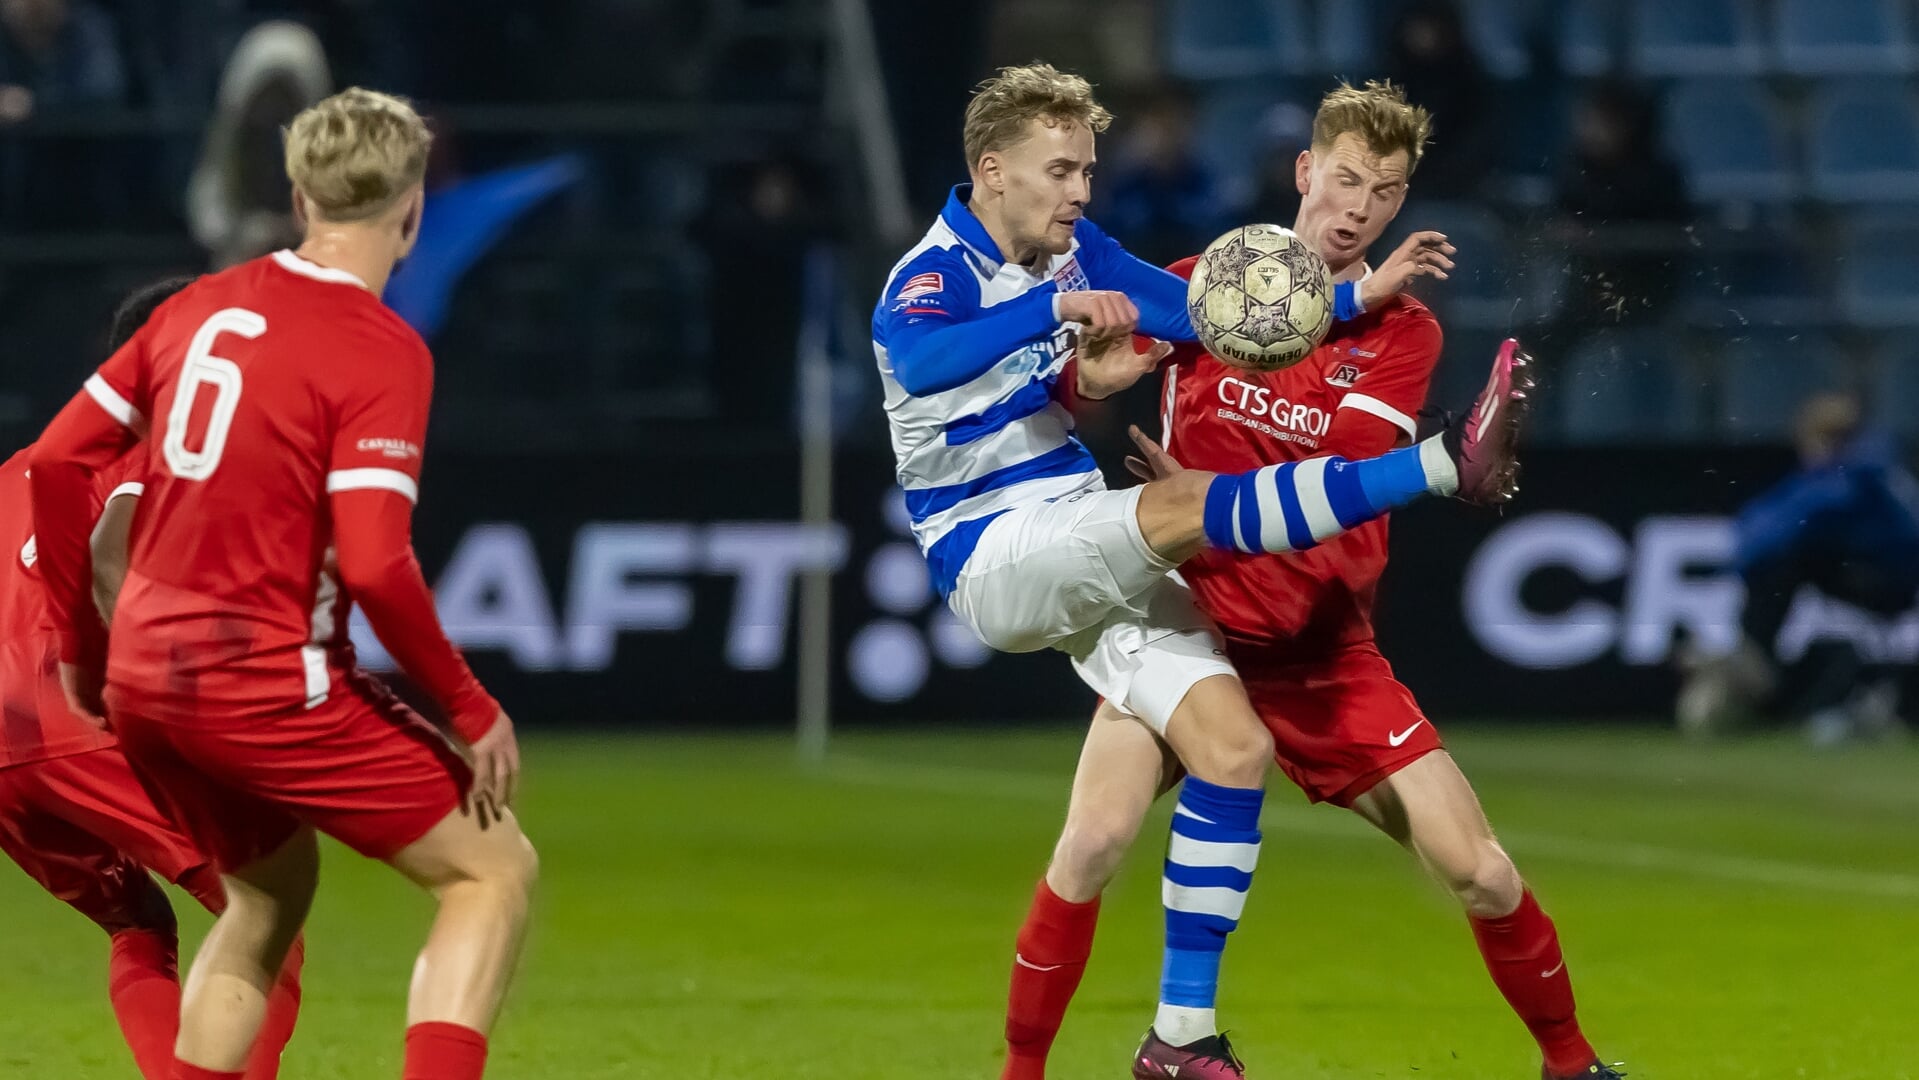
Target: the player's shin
pixel 1297 505
pixel 1522 955
pixel 1210 859
pixel 144 987
pixel 1049 960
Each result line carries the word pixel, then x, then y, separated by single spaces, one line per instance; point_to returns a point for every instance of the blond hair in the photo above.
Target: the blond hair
pixel 353 154
pixel 1379 114
pixel 1002 106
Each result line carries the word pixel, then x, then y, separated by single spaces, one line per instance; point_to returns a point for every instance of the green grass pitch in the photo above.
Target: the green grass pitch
pixel 711 909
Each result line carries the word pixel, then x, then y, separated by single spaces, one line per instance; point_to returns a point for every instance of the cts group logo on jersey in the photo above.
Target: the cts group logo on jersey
pixel 1259 407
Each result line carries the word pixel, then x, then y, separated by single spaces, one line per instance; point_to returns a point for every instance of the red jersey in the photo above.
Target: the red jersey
pixel 269 389
pixel 35 723
pixel 1357 396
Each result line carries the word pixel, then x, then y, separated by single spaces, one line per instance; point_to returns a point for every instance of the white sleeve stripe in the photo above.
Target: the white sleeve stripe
pixel 109 399
pixel 371 479
pixel 1309 483
pixel 1382 410
pixel 131 487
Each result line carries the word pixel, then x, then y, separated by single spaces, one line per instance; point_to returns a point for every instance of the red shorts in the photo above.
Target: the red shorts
pixel 1341 723
pixel 87 831
pixel 360 766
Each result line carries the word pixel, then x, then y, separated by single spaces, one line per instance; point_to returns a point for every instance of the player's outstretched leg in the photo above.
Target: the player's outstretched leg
pixel 225 1001
pixel 1298 505
pixel 1429 807
pixel 1122 768
pixel 483 876
pixel 1210 857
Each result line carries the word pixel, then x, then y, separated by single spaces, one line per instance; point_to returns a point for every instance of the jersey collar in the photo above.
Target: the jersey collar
pixel 305 268
pixel 960 218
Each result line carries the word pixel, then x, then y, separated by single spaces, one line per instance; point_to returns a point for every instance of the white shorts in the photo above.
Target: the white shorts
pixel 1075 574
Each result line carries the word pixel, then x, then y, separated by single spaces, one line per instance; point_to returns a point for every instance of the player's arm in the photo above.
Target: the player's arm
pixel 111 544
pixel 94 429
pixel 1381 410
pixel 372 483
pixel 938 337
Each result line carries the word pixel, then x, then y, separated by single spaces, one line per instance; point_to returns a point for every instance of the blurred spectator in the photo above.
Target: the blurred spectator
pixel 238 200
pixel 1162 202
pixel 1429 55
pixel 1847 523
pixel 58 59
pixel 759 222
pixel 56 54
pixel 1617 177
pixel 1286 131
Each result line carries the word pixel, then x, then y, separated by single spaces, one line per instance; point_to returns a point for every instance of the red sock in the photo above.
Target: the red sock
pixel 283 1009
pixel 183 1071
pixel 1522 953
pixel 439 1051
pixel 1054 943
pixel 143 976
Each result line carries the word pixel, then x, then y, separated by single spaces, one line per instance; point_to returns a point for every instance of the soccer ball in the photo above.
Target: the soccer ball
pixel 1260 298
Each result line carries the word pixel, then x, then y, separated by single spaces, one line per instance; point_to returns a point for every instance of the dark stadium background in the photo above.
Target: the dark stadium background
pixel 659 513
pixel 1695 213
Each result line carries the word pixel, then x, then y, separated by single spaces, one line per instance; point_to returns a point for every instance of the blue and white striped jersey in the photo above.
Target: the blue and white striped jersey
pixel 969 348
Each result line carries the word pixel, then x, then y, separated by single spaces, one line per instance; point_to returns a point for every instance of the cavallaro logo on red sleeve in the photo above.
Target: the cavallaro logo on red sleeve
pixel 393 448
pixel 922 285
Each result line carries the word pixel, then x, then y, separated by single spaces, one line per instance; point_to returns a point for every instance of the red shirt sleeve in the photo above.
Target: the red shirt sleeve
pixel 1381 411
pixel 373 482
pixel 105 419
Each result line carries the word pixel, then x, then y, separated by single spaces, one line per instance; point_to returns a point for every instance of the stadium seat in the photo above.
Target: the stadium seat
pixel 1496 29
pixel 1228 132
pixel 1229 39
pixel 1864 144
pixel 1732 140
pixel 1696 37
pixel 1894 392
pixel 1741 279
pixel 1481 292
pixel 1845 37
pixel 1625 385
pixel 1347 43
pixel 1767 374
pixel 1879 274
pixel 1589 37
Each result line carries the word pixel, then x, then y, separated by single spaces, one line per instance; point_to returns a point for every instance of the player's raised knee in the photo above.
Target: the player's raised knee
pixel 1490 886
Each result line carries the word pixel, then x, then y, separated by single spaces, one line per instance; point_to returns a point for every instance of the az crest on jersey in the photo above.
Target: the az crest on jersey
pixel 1345 375
pixel 30 554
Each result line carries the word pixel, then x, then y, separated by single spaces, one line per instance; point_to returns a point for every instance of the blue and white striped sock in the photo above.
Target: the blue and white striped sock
pixel 1209 867
pixel 1297 505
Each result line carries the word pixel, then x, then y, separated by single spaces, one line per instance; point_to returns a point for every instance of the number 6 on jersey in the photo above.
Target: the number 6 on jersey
pixel 202 368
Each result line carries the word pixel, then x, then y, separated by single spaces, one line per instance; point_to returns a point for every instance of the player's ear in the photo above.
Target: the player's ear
pixel 415 212
pixel 988 173
pixel 1303 172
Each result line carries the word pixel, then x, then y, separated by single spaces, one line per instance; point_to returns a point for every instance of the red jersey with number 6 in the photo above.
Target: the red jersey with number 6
pixel 266 387
pixel 1357 395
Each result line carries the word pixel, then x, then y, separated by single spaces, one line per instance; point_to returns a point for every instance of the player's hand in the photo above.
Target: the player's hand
pixel 1103 312
pixel 1153 462
pixel 84 688
pixel 1424 254
pixel 1107 364
pixel 495 757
